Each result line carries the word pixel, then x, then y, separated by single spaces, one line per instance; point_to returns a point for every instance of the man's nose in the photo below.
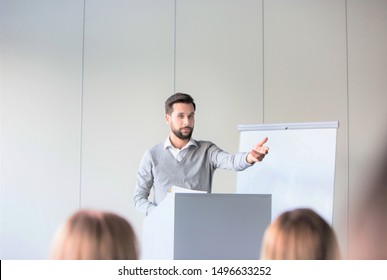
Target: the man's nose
pixel 186 121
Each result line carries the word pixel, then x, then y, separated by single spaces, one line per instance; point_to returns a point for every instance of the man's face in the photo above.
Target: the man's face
pixel 182 120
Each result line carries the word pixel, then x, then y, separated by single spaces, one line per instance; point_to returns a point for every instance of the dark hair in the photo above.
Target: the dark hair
pixel 178 98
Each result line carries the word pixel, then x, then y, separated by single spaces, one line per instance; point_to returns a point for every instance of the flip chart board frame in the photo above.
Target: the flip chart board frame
pixel 299 170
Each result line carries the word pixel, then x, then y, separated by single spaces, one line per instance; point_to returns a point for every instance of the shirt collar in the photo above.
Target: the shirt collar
pixel 168 144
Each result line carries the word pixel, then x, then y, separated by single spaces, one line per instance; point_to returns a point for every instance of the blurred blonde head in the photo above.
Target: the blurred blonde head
pixel 300 234
pixel 95 235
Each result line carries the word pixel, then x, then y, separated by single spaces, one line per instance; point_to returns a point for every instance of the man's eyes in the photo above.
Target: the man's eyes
pixel 182 116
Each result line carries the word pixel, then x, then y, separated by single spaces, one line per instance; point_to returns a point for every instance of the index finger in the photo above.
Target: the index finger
pixel 264 140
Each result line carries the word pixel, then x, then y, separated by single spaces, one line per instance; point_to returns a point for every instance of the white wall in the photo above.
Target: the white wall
pixel 83 86
pixel 41 83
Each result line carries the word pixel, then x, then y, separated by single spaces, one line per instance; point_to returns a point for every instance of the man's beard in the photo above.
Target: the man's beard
pixel 180 134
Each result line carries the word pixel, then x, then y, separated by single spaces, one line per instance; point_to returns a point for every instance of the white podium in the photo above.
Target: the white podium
pixel 188 226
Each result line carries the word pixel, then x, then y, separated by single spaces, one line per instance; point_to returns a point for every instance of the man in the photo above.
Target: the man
pixel 182 161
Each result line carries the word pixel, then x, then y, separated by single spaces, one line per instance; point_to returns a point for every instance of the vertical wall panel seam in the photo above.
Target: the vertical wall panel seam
pixel 81 106
pixel 263 61
pixel 174 47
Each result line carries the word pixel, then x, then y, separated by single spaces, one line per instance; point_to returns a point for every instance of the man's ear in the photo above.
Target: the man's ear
pixel 167 118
